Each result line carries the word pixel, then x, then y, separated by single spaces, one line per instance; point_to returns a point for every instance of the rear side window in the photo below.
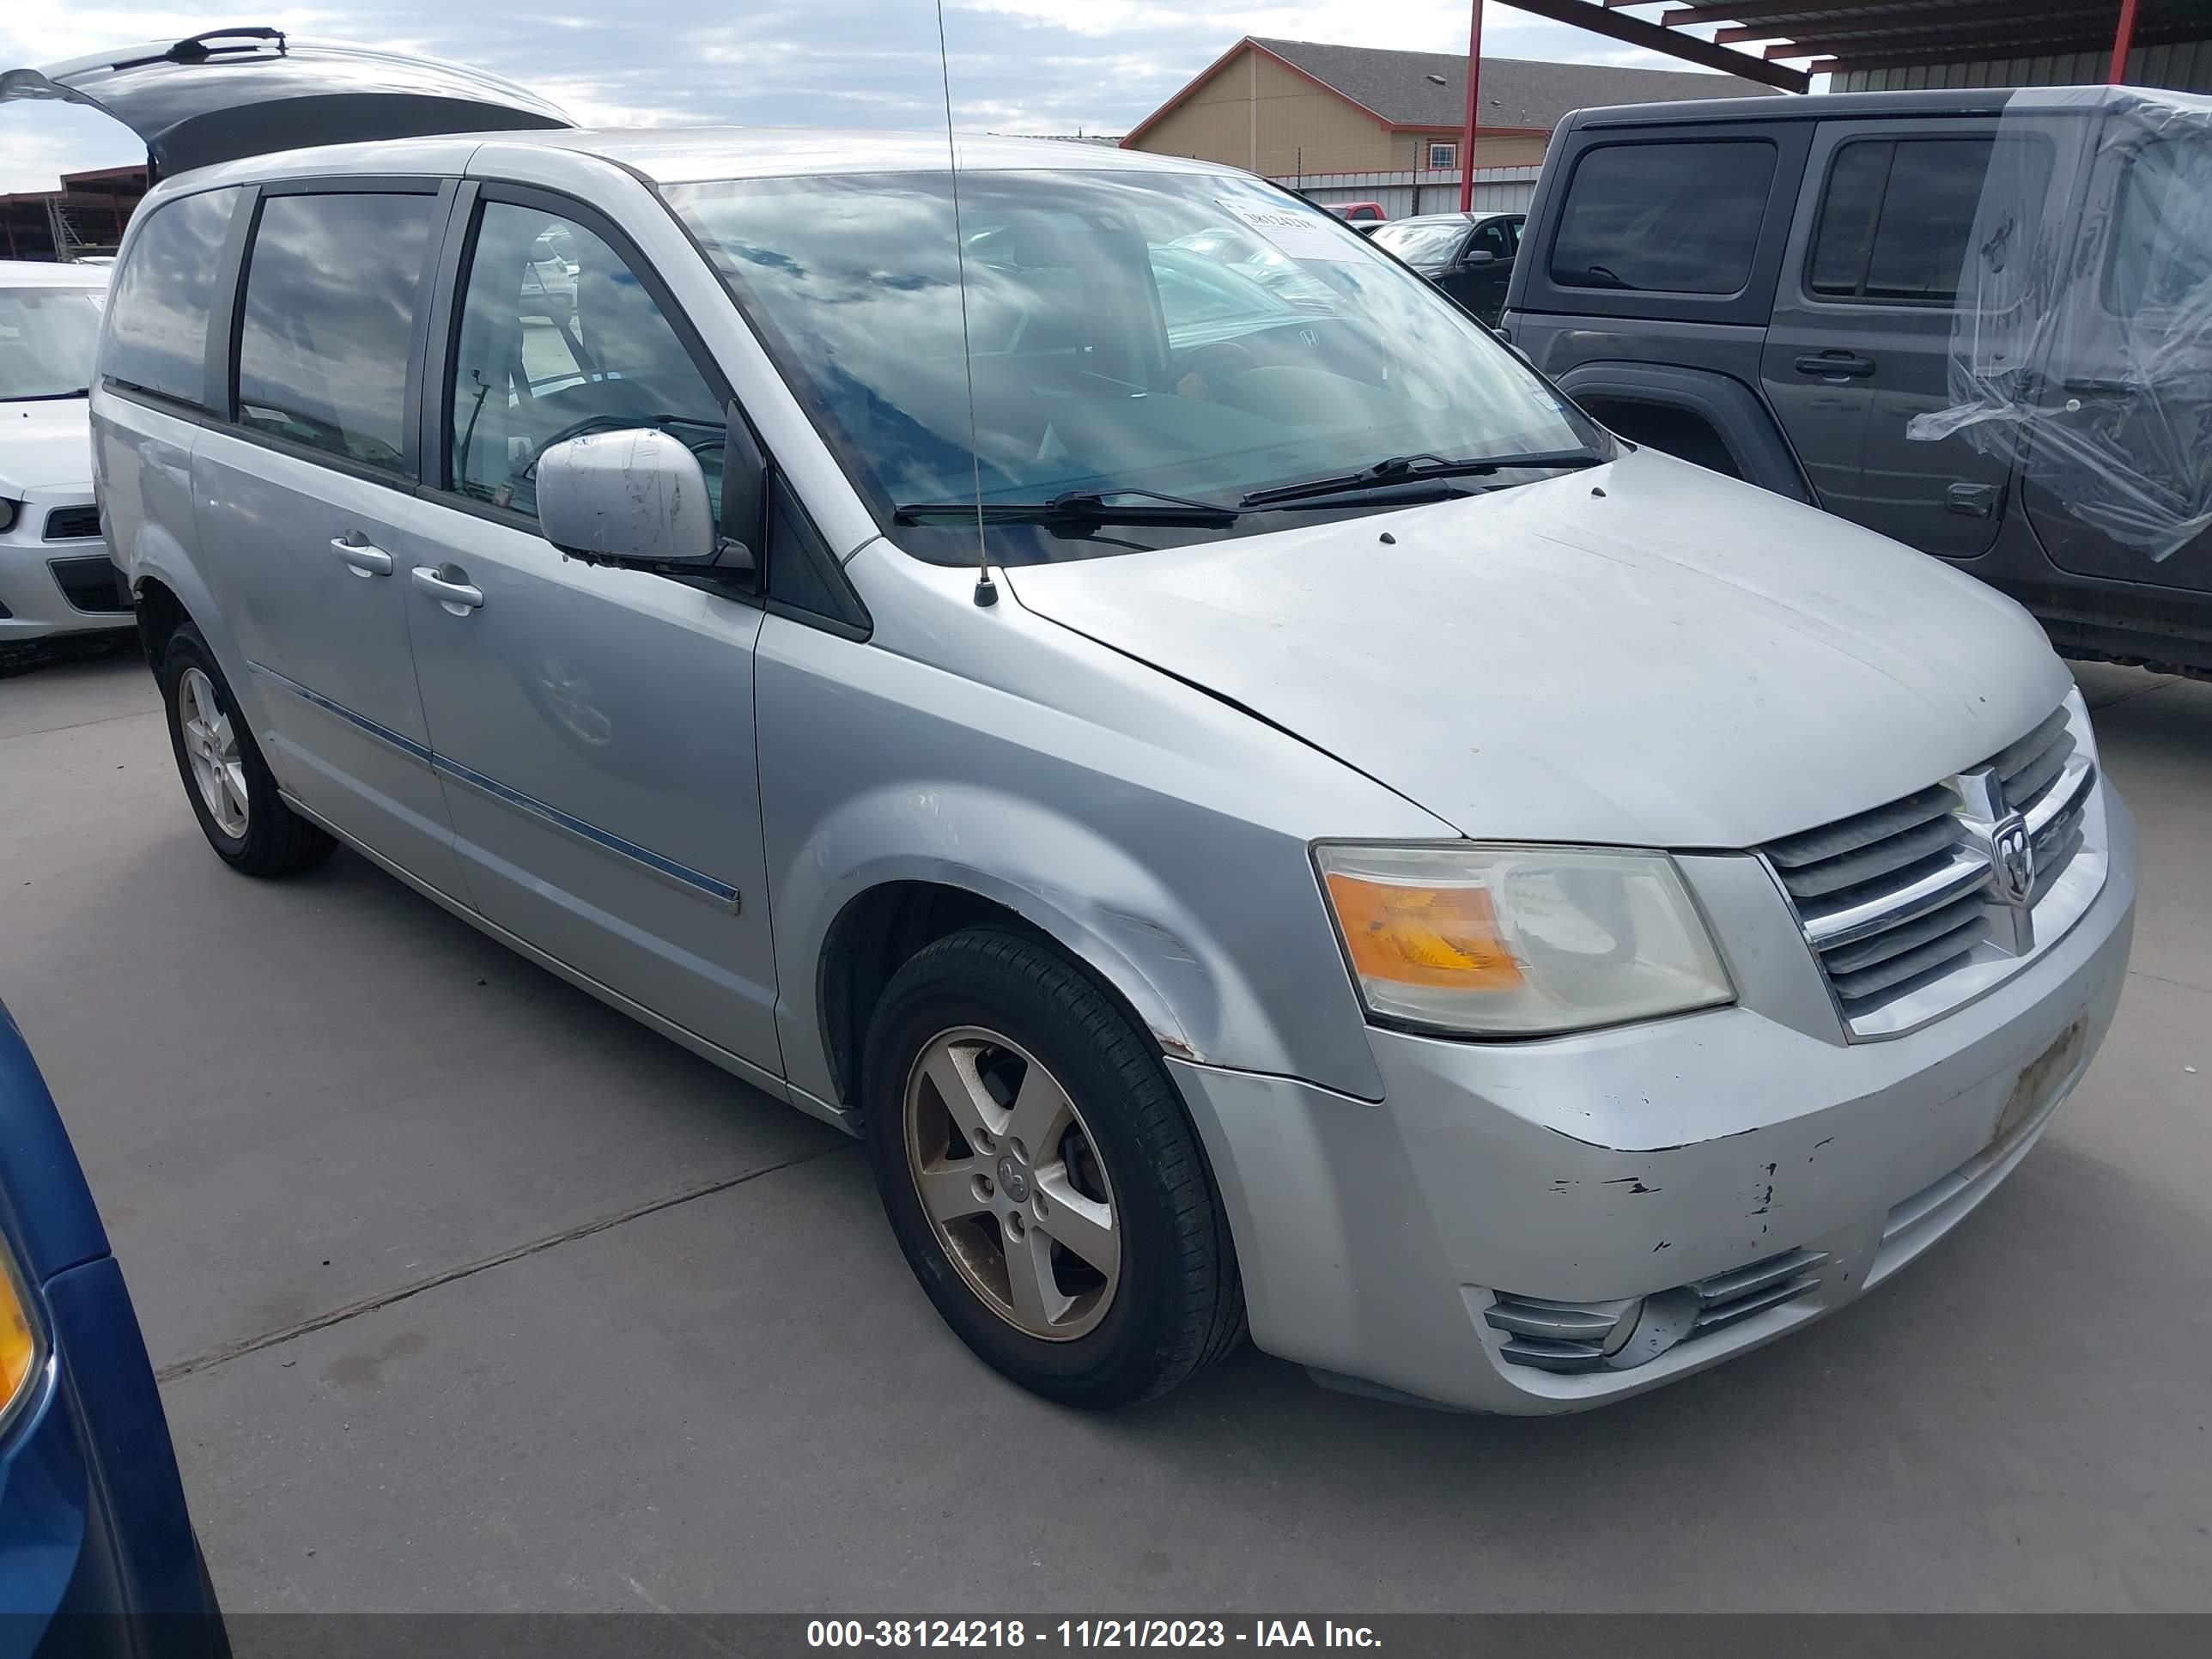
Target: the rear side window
pixel 2161 260
pixel 158 308
pixel 1897 215
pixel 331 286
pixel 1676 218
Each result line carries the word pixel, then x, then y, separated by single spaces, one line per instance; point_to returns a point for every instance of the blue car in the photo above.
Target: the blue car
pixel 97 1554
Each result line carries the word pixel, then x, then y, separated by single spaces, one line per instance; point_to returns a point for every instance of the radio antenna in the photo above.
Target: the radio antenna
pixel 986 591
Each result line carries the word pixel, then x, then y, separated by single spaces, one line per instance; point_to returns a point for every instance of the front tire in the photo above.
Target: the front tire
pixel 232 791
pixel 1041 1175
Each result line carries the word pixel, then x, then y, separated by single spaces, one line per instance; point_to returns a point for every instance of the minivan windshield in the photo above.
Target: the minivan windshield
pixel 47 340
pixel 1160 333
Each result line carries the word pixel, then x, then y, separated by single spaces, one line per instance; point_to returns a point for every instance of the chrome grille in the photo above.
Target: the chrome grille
pixel 1592 1336
pixel 1893 899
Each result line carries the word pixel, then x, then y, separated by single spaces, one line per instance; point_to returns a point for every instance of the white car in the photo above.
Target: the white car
pixel 55 577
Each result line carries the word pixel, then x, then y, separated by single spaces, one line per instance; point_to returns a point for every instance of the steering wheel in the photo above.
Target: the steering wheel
pixel 1205 368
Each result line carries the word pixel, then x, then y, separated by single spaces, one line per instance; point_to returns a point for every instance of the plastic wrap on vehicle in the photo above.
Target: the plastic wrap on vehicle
pixel 2082 343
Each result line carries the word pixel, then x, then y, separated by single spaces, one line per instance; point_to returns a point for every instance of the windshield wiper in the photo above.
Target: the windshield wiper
pixel 45 397
pixel 1075 506
pixel 1415 468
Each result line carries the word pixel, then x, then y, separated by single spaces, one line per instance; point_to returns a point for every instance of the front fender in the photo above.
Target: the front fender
pixel 1121 920
pixel 1155 833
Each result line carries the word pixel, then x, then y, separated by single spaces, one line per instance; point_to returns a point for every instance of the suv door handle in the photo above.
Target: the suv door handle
pixel 362 556
pixel 1842 365
pixel 455 595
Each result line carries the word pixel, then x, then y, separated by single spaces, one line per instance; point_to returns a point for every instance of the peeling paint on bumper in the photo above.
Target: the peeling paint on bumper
pixel 1370 1236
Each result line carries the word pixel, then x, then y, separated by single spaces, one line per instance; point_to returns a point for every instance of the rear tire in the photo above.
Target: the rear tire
pixel 232 791
pixel 1025 1038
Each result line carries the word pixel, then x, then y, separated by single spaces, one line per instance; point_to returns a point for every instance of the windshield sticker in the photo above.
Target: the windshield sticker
pixel 1298 234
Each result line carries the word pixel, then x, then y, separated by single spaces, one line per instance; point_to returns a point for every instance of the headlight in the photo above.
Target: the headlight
pixel 7 516
pixel 1516 941
pixel 19 1341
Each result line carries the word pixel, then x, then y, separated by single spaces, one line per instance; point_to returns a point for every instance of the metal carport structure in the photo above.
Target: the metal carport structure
pixel 1881 43
pixel 1784 43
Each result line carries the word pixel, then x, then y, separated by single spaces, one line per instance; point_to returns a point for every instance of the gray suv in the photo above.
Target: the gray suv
pixel 1364 857
pixel 1977 321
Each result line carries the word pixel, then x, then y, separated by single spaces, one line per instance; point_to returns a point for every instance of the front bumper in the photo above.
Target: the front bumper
pixel 1375 1238
pixel 58 584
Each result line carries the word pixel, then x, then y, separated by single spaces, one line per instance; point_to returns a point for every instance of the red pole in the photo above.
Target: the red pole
pixel 2123 41
pixel 1473 96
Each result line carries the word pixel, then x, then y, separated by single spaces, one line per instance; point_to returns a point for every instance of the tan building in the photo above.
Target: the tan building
pixel 1293 109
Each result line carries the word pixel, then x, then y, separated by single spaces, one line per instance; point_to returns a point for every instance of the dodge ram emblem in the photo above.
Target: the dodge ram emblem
pixel 2012 856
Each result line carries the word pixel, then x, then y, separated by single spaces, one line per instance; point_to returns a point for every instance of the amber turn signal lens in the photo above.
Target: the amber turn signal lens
pixel 18 1347
pixel 1446 938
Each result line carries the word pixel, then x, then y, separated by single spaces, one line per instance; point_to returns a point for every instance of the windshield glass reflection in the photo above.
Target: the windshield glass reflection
pixel 1190 334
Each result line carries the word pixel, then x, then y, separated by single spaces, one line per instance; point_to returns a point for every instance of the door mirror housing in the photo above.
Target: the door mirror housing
pixel 637 496
pixel 1478 256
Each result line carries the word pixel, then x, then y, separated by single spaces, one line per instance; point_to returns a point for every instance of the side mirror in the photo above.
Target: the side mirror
pixel 635 497
pixel 1480 256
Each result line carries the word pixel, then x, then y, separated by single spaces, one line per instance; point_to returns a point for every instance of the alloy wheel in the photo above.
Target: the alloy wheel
pixel 1011 1181
pixel 211 747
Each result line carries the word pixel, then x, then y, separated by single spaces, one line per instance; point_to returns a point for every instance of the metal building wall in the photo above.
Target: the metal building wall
pixel 2183 68
pixel 1496 189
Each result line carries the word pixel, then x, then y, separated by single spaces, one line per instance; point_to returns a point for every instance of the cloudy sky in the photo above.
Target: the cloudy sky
pixel 1016 66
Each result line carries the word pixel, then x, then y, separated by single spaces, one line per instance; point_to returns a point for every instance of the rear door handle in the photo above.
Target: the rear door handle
pixel 455 595
pixel 361 556
pixel 1842 365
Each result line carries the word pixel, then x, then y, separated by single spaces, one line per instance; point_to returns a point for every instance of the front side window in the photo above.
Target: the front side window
pixel 1185 333
pixel 47 340
pixel 332 285
pixel 1898 214
pixel 558 338
pixel 1495 238
pixel 157 313
pixel 1674 218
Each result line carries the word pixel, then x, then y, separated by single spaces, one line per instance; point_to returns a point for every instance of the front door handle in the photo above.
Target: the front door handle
pixel 363 558
pixel 442 583
pixel 1841 365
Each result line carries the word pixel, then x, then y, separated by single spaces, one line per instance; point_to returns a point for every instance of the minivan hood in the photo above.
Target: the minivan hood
pixel 235 93
pixel 44 443
pixel 1643 653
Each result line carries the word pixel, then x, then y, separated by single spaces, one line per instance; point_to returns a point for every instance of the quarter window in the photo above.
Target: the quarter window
pixel 559 337
pixel 1679 218
pixel 331 293
pixel 158 309
pixel 2161 258
pixel 1898 214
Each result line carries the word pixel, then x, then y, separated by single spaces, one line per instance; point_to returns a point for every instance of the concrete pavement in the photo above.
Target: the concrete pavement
pixel 470 1293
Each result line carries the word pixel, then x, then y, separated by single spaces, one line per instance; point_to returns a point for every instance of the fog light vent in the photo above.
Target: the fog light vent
pixel 1726 1297
pixel 1628 1331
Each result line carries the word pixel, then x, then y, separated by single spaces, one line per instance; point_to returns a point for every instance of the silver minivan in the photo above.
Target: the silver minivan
pixel 1261 816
